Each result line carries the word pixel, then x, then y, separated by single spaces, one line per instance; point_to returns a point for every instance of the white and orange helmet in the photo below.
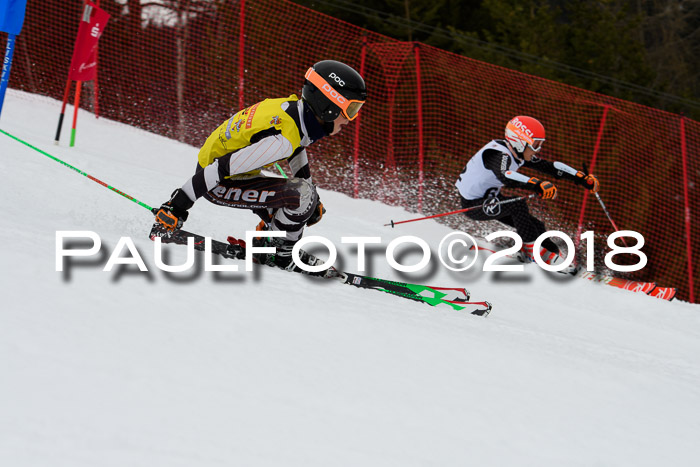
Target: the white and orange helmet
pixel 523 132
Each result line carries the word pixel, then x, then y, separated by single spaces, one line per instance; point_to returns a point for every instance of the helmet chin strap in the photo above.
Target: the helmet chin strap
pixel 328 127
pixel 514 152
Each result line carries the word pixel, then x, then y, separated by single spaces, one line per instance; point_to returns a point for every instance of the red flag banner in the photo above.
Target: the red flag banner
pixel 83 66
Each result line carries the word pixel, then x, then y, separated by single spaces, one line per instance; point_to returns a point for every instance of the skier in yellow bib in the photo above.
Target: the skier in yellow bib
pixel 229 169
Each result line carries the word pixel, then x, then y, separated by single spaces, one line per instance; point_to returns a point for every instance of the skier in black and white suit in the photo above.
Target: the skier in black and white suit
pixel 496 166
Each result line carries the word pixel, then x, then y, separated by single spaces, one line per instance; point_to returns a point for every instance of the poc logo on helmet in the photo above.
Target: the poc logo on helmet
pixel 337 79
pixel 334 94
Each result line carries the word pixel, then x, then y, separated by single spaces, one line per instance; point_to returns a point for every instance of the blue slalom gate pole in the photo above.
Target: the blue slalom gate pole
pixel 11 21
pixel 6 65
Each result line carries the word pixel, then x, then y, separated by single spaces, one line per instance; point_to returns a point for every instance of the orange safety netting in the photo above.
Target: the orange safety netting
pixel 180 74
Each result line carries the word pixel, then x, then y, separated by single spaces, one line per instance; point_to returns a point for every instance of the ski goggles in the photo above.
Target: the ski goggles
pixel 536 144
pixel 350 108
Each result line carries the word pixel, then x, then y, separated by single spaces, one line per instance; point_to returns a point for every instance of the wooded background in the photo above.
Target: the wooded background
pixel 645 51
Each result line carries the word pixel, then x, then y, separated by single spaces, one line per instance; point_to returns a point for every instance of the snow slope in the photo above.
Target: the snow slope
pixel 130 368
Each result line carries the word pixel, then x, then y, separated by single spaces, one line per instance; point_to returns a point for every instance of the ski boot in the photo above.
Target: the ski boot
pixel 282 258
pixel 526 255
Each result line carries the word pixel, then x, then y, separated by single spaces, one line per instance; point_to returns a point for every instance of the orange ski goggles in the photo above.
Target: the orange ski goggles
pixel 350 108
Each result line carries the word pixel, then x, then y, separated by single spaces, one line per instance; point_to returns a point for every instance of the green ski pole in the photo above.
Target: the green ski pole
pixel 144 205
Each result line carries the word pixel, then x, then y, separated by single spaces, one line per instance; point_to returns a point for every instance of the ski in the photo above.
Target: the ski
pixel 648 288
pixel 625 284
pixel 455 297
pixel 664 293
pixel 428 294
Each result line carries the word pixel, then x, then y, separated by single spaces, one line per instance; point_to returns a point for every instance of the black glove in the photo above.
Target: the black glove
pixel 546 189
pixel 173 213
pixel 316 216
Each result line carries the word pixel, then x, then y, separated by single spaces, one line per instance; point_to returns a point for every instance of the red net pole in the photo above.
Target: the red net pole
pixel 689 250
pixel 419 104
pixel 241 56
pixel 356 142
pixel 94 82
pixel 596 148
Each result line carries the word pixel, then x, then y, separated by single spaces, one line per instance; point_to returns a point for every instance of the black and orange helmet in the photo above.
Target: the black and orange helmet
pixel 333 87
